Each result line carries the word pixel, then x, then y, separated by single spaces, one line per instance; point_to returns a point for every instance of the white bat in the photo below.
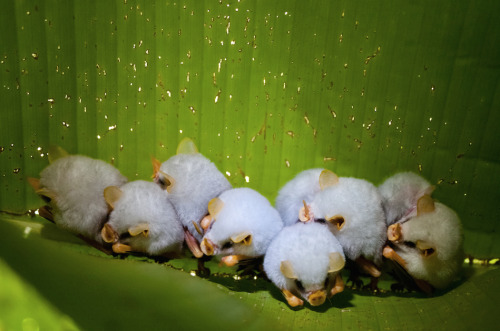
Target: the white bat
pixel 428 244
pixel 73 186
pixel 142 219
pixel 191 181
pixel 352 208
pixel 241 225
pixel 304 261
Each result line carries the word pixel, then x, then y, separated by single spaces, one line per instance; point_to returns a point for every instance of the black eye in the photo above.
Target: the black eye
pixel 320 220
pixel 299 285
pixel 327 281
pixel 227 245
pixel 409 244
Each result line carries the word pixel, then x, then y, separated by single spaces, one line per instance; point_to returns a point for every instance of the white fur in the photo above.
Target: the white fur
pixel 244 210
pixel 360 204
pixel 146 202
pixel 301 188
pixel 78 183
pixel 440 228
pixel 197 181
pixel 307 248
pixel 400 194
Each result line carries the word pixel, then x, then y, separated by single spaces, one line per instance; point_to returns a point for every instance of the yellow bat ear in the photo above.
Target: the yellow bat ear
pixel 112 194
pixel 338 220
pixel 168 182
pixel 45 193
pixel 425 248
pixel 215 206
pixel 56 152
pixel 187 146
pixel 244 237
pixel 336 262
pixel 425 205
pixel 108 234
pixel 287 270
pixel 327 178
pixel 141 228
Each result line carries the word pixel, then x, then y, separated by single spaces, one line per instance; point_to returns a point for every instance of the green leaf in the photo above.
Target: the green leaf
pixel 265 89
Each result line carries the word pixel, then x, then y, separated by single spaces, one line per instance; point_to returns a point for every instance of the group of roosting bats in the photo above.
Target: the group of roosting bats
pixel 319 223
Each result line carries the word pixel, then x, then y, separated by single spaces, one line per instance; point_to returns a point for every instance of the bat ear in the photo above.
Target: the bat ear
pixel 46 194
pixel 305 214
pixel 112 194
pixel 56 152
pixel 141 228
pixel 426 249
pixel 156 166
pixel 215 206
pixel 187 146
pixel 337 220
pixel 425 205
pixel 336 262
pixel 109 234
pixel 244 237
pixel 327 178
pixel 34 183
pixel 167 182
pixel 287 270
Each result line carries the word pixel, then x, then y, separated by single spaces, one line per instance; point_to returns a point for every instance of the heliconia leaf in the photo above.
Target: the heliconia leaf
pixel 265 89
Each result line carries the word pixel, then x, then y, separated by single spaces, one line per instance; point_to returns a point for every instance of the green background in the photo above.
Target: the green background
pixel 265 89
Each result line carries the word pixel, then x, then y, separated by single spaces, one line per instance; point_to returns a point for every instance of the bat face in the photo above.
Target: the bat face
pixel 430 243
pixel 243 223
pixel 73 186
pixel 305 260
pixel 142 220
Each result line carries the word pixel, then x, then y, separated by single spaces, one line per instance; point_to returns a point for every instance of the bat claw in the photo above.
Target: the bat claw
pixel 192 244
pixel 292 300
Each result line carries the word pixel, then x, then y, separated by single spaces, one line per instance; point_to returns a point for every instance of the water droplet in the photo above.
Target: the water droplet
pixel 16 170
pixel 34 55
pixel 247 179
pixel 51 101
pixel 287 163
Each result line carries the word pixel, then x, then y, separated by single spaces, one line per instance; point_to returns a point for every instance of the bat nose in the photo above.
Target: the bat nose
pixel 207 247
pixel 317 298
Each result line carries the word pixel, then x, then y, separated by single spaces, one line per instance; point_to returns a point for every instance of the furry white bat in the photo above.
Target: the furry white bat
pixel 427 239
pixel 352 208
pixel 400 194
pixel 73 186
pixel 192 181
pixel 241 225
pixel 299 190
pixel 304 261
pixel 142 219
